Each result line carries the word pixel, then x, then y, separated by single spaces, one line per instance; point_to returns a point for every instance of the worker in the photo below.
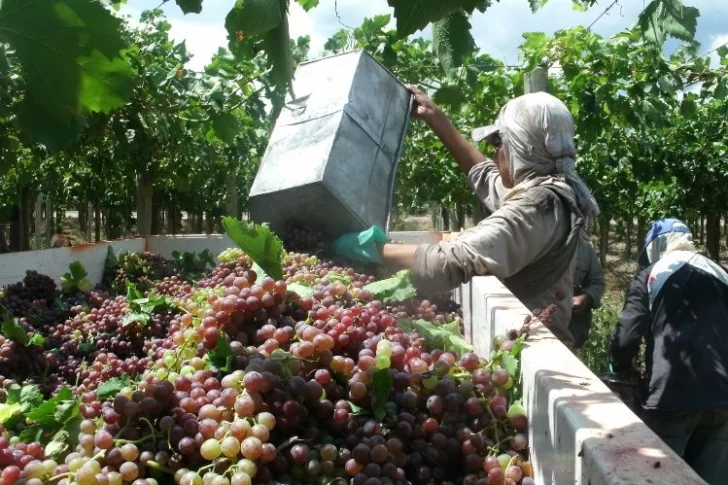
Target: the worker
pixel 59 239
pixel 588 292
pixel 678 303
pixel 540 210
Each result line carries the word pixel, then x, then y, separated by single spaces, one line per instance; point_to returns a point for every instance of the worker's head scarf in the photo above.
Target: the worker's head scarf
pixel 665 236
pixel 537 132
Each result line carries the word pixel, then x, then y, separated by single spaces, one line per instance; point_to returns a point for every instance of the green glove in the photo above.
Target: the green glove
pixel 361 246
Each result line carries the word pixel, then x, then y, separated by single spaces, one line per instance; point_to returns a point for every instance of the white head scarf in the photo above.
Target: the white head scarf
pixel 537 132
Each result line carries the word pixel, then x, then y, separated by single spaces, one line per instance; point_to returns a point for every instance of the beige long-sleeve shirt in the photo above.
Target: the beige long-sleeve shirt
pixel 517 233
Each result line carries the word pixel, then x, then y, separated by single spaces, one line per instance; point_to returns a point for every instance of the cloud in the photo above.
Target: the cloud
pixel 203 40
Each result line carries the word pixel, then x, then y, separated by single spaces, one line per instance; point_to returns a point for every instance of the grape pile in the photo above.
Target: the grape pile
pixel 145 270
pixel 245 381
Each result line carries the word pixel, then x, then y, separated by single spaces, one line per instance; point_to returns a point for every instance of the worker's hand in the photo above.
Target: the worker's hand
pixel 361 246
pixel 423 108
pixel 580 303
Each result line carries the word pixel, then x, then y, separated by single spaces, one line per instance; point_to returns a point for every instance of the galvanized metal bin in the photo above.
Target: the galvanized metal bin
pixel 332 157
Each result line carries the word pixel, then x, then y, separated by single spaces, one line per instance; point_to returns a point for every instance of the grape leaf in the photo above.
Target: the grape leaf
pixel 277 45
pixel 7 411
pixel 134 317
pixel 452 41
pixel 444 337
pixel 44 413
pixel 450 95
pixel 226 127
pixel 30 395
pixel 111 260
pixel 66 411
pixel 11 328
pixel 382 386
pixel 59 444
pixel 253 17
pixel 259 243
pixel 333 277
pixel 190 6
pixel 301 290
pixel 510 363
pixel 414 15
pixel 112 387
pixel 399 288
pixel 87 347
pixel 132 293
pixel 36 339
pixel 308 4
pixel 76 278
pixel 661 18
pixel 222 356
pixel 72 53
pixel 356 409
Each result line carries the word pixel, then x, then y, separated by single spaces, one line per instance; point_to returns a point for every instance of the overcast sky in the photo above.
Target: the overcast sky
pixel 498 31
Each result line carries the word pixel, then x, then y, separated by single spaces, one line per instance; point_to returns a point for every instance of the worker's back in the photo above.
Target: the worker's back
pixel 687 347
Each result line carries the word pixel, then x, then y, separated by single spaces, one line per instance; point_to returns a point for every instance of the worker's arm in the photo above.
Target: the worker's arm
pixel 464 153
pixel 593 285
pixel 482 173
pixel 399 256
pixel 633 324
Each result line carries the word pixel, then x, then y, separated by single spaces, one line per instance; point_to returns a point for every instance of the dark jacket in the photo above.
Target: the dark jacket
pixel 686 334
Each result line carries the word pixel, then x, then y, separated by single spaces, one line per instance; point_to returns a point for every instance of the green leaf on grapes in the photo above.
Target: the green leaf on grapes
pixel 333 277
pixel 76 279
pixel 66 411
pixel 7 411
pixel 31 395
pixel 399 288
pixel 518 346
pixel 112 387
pixel 356 410
pixel 222 357
pixel 259 243
pixel 510 363
pixel 111 260
pixel 382 386
pixel 134 317
pixel 301 290
pixel 132 293
pixel 446 337
pixel 87 347
pixel 11 328
pixel 59 444
pixel 44 413
pixel 36 339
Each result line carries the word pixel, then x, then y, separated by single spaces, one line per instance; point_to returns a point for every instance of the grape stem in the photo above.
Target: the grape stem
pixel 151 428
pixel 133 442
pixel 160 467
pixel 59 477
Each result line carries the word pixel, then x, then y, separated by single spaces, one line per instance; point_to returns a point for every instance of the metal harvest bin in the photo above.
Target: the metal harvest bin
pixel 332 157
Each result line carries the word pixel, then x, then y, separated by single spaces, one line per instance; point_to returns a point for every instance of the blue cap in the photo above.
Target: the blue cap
pixel 657 229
